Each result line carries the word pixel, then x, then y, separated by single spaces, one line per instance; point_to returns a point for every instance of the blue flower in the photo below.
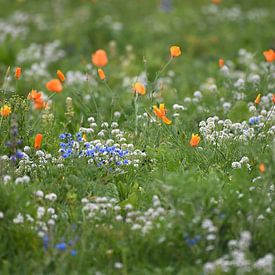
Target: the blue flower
pixel 73 252
pixel 61 246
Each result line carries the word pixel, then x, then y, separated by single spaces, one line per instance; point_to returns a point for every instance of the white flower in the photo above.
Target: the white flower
pixel 39 194
pixel 51 197
pixel 1 215
pixel 19 219
pixel 6 178
pixel 236 165
pixel 118 265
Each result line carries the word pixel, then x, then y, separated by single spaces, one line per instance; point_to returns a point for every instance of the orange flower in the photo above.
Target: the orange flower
pixel 269 55
pixel 139 88
pixel 175 51
pixel 5 111
pixel 221 62
pixel 99 58
pixel 38 141
pixel 195 140
pixel 161 113
pixel 60 75
pixel 17 73
pixel 216 2
pixel 273 98
pixel 101 74
pixel 54 85
pixel 262 167
pixel 258 99
pixel 36 98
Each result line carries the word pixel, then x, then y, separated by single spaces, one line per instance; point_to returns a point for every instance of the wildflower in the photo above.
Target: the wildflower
pixel 273 98
pixel 17 72
pixel 195 140
pixel 175 51
pixel 5 111
pixel 216 2
pixel 139 88
pixel 60 75
pixel 38 141
pixel 37 99
pixel 99 58
pixel 269 55
pixel 101 74
pixel 262 167
pixel 221 62
pixel 258 99
pixel 54 85
pixel 161 113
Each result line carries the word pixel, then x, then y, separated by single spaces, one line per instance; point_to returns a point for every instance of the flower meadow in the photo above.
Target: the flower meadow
pixel 137 137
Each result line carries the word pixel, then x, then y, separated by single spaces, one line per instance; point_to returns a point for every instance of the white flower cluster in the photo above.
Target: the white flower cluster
pixel 237 258
pixel 102 208
pixel 211 231
pixel 45 217
pixel 30 162
pixel 241 163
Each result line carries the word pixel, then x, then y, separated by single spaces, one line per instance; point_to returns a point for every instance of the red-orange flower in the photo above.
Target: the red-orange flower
pixel 216 2
pixel 221 62
pixel 258 99
pixel 5 111
pixel 139 88
pixel 17 73
pixel 195 140
pixel 269 55
pixel 175 51
pixel 60 75
pixel 101 74
pixel 262 167
pixel 99 58
pixel 38 141
pixel 54 85
pixel 36 98
pixel 273 98
pixel 161 113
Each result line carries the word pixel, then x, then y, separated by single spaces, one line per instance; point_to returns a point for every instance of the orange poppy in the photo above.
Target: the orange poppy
pixel 5 111
pixel 273 98
pixel 139 88
pixel 258 99
pixel 269 55
pixel 37 141
pixel 99 58
pixel 195 140
pixel 54 85
pixel 36 98
pixel 161 113
pixel 17 73
pixel 221 62
pixel 216 2
pixel 262 167
pixel 60 75
pixel 101 74
pixel 175 51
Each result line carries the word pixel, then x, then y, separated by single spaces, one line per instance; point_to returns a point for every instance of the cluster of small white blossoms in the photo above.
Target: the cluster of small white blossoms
pixel 102 208
pixel 16 25
pixel 40 56
pixel 244 162
pixel 211 230
pixel 79 77
pixel 216 130
pixel 45 217
pixel 237 258
pixel 235 13
pixel 19 180
pixel 29 162
pixel 109 136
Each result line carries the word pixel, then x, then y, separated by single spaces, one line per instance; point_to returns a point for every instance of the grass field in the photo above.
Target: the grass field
pixel 153 155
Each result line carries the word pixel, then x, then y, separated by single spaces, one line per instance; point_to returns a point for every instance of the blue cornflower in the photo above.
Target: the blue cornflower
pixel 73 252
pixel 61 246
pixel 62 136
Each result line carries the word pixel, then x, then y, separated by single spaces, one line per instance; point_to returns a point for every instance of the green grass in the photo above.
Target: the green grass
pixel 194 186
